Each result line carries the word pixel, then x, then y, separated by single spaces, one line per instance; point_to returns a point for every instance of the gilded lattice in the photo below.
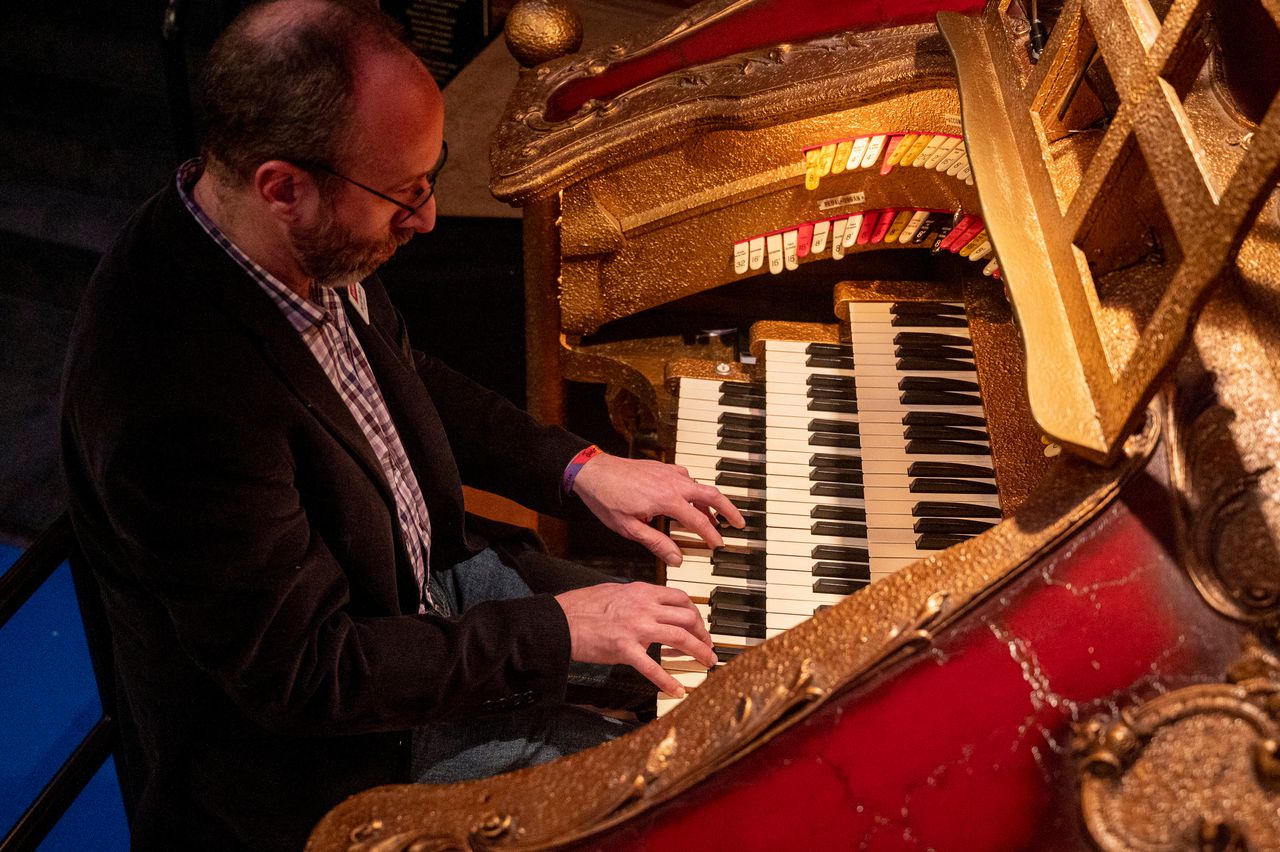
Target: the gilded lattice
pixel 1054 232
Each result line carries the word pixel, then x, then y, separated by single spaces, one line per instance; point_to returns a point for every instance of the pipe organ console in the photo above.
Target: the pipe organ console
pixel 1000 411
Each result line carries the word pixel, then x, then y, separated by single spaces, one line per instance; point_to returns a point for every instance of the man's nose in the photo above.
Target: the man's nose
pixel 424 219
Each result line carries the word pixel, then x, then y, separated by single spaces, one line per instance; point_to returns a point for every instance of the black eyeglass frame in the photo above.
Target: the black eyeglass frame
pixel 412 210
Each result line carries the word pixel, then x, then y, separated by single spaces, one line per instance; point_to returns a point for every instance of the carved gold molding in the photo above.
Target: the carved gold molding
pixel 534 157
pixel 1194 769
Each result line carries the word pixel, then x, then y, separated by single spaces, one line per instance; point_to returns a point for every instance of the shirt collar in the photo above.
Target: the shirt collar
pixel 301 313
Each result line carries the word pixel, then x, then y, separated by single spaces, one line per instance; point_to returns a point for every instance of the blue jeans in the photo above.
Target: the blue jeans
pixel 464 749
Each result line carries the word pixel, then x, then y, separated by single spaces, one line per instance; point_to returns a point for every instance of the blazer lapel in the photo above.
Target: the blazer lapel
pixel 220 281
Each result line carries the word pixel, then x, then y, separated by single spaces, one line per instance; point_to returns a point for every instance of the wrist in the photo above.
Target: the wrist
pixel 576 465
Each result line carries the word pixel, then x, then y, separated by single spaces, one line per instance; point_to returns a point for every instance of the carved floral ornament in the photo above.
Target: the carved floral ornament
pixel 1194 769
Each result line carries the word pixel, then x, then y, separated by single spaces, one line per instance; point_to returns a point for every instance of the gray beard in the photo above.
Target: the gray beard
pixel 331 257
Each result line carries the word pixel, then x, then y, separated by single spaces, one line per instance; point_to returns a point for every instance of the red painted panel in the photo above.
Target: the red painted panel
pixel 748 26
pixel 966 748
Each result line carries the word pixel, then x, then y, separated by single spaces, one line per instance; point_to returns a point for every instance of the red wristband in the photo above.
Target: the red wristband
pixel 575 466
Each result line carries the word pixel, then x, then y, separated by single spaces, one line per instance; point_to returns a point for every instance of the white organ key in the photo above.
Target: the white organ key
pixel 981 251
pixel 820 232
pixel 947 145
pixel 741 257
pixel 790 244
pixel 956 152
pixel 756 253
pixel 837 238
pixel 856 152
pixel 874 147
pixel 991 267
pixel 776 261
pixel 913 225
pixel 852 225
pixel 923 156
pixel 960 163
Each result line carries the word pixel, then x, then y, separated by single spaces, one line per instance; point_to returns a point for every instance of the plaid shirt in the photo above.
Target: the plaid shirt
pixel 325 330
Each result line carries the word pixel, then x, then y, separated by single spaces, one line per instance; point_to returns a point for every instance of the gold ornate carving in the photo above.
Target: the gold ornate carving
pixel 533 156
pixel 1193 769
pixel 1058 249
pixel 747 703
pixel 538 31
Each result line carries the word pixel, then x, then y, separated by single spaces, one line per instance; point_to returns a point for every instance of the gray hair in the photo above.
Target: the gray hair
pixel 279 83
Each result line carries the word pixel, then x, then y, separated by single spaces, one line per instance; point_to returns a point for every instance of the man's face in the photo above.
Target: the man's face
pixel 375 202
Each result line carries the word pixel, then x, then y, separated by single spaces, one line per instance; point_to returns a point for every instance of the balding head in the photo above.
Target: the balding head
pixel 281 83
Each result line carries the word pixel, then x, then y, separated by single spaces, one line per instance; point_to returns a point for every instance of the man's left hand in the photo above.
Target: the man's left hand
pixel 625 494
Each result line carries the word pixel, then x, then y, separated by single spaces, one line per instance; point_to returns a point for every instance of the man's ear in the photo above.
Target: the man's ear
pixel 286 190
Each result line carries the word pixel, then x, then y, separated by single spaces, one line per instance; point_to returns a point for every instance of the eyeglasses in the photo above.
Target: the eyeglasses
pixel 411 209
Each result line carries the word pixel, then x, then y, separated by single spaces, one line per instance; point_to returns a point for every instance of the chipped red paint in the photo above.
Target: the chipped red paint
pixel 748 26
pixel 966 747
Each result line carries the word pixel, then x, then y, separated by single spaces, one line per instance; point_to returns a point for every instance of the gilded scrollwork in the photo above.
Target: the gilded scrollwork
pixel 1196 768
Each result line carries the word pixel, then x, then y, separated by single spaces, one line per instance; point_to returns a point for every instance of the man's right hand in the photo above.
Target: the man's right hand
pixel 616 623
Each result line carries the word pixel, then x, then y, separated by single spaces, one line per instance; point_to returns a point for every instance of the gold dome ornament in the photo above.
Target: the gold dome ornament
pixel 541 30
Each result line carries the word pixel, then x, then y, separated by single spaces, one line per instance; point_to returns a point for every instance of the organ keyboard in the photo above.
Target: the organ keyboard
pixel 864 448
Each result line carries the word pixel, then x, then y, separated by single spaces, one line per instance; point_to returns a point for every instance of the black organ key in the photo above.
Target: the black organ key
pixel 937 383
pixel 923 365
pixel 749 504
pixel 741 421
pixel 830 460
pixel 737 556
pixel 830 361
pixel 841 427
pixel 951 486
pixel 942 418
pixel 740 445
pixel 744 466
pixel 940 398
pixel 924 321
pixel 836 489
pixel 830 586
pixel 748 533
pixel 951 526
pixel 952 470
pixel 943 509
pixel 944 433
pixel 741 395
pixel 741 433
pixel 843 570
pixel 845 530
pixel 946 448
pixel 736 570
pixel 925 309
pixel 838 513
pixel 843 406
pixel 835 474
pixel 827 439
pixel 933 352
pixel 724 654
pixel 819 380
pixel 831 349
pixel 740 480
pixel 727 627
pixel 840 553
pixel 930 226
pixel 734 598
pixel 832 393
pixel 939 541
pixel 930 338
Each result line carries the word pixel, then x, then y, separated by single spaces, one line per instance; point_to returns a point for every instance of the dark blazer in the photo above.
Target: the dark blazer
pixel 263 611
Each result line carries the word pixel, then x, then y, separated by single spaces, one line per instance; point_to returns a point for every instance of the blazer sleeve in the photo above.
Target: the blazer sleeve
pixel 205 513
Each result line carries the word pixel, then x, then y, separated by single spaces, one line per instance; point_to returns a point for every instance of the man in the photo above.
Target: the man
pixel 265 477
